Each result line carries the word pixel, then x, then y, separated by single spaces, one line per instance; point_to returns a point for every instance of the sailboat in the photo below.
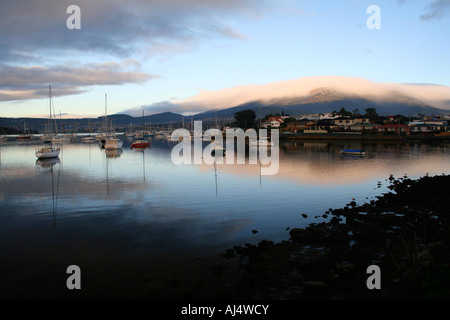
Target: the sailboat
pixel 111 142
pixel 89 138
pixel 48 152
pixel 24 135
pixel 141 142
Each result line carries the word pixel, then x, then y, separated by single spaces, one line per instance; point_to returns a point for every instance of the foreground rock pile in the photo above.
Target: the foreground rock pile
pixel 406 232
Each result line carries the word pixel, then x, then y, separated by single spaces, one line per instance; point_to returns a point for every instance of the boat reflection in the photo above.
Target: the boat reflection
pixel 50 164
pixel 142 150
pixel 47 163
pixel 115 153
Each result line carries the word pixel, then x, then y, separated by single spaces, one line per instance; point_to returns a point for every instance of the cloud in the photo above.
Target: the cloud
pixel 31 29
pixel 435 95
pixel 436 10
pixel 31 82
pixel 37 48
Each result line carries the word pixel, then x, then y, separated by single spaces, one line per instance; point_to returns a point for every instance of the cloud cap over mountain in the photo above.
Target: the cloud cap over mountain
pixel 297 89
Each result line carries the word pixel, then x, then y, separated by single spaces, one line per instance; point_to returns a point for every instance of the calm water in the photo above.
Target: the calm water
pixel 97 207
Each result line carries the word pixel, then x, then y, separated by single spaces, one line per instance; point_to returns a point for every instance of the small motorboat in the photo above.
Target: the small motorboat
pixel 89 139
pixel 261 143
pixel 218 150
pixel 140 143
pixel 353 152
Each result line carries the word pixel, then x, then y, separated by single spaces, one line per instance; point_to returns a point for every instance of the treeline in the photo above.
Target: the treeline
pixel 9 130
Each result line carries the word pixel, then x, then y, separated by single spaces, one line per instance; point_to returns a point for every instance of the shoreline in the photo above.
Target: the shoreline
pixel 361 137
pixel 406 232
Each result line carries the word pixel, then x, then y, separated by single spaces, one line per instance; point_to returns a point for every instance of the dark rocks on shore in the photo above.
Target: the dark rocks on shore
pixel 406 232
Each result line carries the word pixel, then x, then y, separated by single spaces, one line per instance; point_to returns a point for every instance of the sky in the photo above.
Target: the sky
pixel 168 55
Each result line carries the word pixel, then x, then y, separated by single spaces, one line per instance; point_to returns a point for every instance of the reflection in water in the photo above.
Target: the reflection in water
pixel 115 153
pixel 49 164
pixel 179 210
pixel 142 150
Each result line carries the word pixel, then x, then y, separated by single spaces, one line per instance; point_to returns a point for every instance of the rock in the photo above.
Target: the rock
pixel 229 254
pixel 344 267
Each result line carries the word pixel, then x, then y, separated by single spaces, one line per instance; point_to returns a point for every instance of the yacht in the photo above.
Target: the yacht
pixel 48 152
pixel 261 143
pixel 113 144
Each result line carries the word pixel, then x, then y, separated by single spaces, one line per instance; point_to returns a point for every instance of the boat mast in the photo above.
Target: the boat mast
pixel 143 124
pixel 52 104
pixel 106 112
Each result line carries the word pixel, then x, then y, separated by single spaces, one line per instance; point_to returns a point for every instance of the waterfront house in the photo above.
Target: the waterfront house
pixel 394 128
pixel 345 122
pixel 299 126
pixel 426 128
pixel 272 124
pixel 364 127
pixel 275 118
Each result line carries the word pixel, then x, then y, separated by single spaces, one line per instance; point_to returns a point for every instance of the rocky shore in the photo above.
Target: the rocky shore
pixel 406 232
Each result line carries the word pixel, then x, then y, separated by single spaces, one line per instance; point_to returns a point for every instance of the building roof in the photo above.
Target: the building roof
pixel 394 125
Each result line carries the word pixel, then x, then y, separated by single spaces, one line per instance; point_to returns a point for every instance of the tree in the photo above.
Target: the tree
pixel 344 112
pixel 245 119
pixel 371 113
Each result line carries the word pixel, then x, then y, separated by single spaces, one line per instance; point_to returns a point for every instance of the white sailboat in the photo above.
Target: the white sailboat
pixel 89 138
pixel 262 142
pixel 48 152
pixel 111 142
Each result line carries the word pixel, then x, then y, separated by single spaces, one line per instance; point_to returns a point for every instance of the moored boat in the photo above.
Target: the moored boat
pixel 89 139
pixel 218 150
pixel 113 144
pixel 261 143
pixel 47 153
pixel 355 152
pixel 140 143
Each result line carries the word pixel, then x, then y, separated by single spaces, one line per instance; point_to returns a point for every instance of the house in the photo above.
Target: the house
pixel 426 128
pixel 360 127
pixel 394 128
pixel 272 124
pixel 298 126
pixel 280 119
pixel 345 122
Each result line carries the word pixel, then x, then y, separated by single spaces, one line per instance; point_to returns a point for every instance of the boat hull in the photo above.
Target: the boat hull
pixel 140 145
pixel 353 152
pixel 113 144
pixel 47 153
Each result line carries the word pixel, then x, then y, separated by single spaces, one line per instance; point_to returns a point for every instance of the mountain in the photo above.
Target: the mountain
pixel 322 94
pixel 70 125
pixel 323 100
pixel 310 95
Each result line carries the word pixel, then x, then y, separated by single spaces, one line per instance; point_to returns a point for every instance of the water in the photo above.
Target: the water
pixel 99 208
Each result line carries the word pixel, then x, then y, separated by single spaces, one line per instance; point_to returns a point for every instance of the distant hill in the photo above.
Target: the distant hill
pixel 295 97
pixel 314 106
pixel 71 125
pixel 321 94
